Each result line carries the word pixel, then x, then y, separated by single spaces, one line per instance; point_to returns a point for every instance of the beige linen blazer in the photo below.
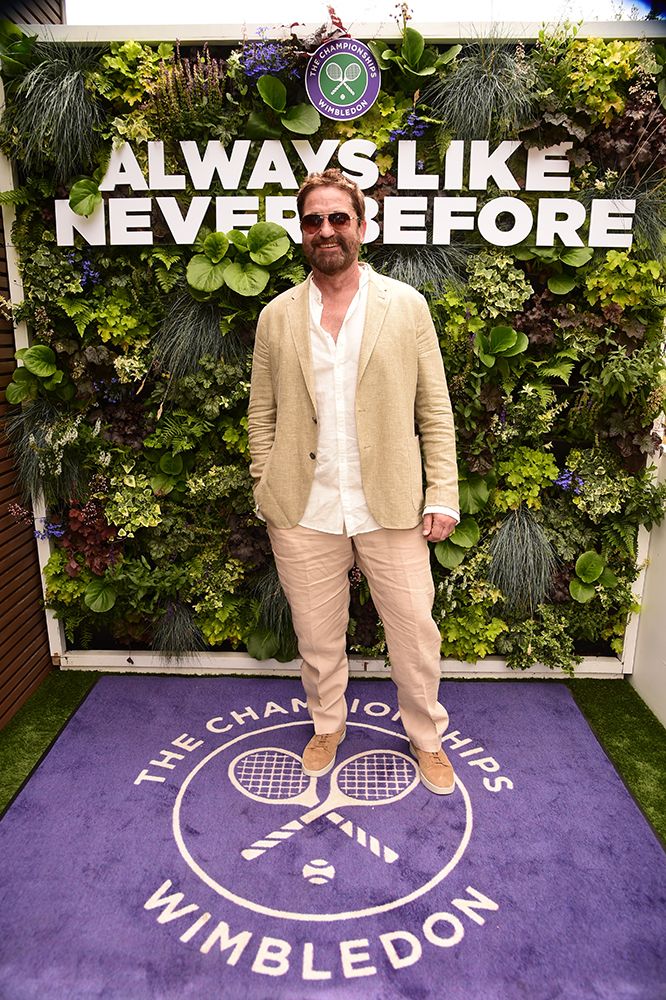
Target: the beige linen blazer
pixel 403 411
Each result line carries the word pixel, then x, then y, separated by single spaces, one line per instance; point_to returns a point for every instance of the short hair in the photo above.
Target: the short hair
pixel 331 178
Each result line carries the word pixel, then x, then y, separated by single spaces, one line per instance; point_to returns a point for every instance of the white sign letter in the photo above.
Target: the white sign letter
pixel 543 164
pixel 483 165
pixel 609 220
pixel 123 169
pixel 522 224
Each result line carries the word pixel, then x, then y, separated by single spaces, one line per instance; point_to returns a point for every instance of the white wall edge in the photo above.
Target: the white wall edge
pixel 452 31
pixel 213 664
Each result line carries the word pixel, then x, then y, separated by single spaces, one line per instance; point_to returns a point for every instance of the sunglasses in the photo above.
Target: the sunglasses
pixel 313 223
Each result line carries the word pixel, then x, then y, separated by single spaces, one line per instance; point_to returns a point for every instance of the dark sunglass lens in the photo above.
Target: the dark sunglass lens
pixel 312 223
pixel 339 220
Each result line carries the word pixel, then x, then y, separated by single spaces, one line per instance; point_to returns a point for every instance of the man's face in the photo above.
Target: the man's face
pixel 329 250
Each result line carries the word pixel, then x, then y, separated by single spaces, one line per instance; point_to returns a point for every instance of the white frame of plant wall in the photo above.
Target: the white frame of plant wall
pixel 125 661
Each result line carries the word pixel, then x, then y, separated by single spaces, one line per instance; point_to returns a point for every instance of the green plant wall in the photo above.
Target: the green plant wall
pixel 131 402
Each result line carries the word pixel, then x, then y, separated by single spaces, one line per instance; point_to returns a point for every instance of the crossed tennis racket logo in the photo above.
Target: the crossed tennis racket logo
pixel 371 778
pixel 342 77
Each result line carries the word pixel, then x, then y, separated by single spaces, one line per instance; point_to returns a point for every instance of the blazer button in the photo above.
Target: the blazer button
pixel 312 455
pixel 314 420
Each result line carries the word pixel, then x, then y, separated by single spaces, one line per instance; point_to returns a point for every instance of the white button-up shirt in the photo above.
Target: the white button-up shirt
pixel 337 502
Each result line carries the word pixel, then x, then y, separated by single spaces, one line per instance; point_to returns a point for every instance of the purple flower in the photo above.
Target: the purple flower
pixel 265 56
pixel 413 128
pixel 568 480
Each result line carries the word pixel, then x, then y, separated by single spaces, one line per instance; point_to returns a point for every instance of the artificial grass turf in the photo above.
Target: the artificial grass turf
pixel 631 735
pixel 27 737
pixel 633 738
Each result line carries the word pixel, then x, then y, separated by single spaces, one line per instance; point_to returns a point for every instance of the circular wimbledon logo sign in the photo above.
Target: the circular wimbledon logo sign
pixel 342 79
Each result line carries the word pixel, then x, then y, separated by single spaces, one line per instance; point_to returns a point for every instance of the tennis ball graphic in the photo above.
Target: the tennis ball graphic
pixel 319 871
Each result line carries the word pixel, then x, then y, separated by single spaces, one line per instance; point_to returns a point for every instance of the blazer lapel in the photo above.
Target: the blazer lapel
pixel 378 303
pixel 298 315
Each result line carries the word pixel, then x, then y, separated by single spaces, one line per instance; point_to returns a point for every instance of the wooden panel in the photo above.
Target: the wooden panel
pixel 34 11
pixel 24 650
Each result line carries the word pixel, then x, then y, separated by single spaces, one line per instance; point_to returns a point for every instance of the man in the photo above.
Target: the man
pixel 348 388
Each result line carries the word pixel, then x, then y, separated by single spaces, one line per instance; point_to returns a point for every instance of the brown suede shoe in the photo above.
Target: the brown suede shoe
pixel 319 754
pixel 436 770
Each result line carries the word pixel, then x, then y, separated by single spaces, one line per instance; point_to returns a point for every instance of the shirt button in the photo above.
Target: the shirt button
pixel 314 420
pixel 312 455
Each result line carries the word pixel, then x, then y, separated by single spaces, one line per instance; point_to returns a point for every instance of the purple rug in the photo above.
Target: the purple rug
pixel 170 848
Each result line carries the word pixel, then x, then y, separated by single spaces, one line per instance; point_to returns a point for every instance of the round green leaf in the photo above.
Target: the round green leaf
pixel 238 238
pixel 448 554
pixel 578 256
pixel 246 279
pixel 262 644
pixel 487 359
pixel 608 578
pixel 501 339
pixel 302 118
pixel 413 45
pixel 267 242
pixel 561 284
pixel 521 344
pixel 466 534
pixel 100 596
pixel 273 92
pixel 259 127
pixel 18 392
pixel 40 360
pixel 473 494
pixel 162 484
pixel 84 197
pixel 171 464
pixel 581 592
pixel 215 247
pixel 590 566
pixel 203 275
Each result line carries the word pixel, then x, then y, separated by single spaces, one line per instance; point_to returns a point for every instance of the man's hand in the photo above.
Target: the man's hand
pixel 437 527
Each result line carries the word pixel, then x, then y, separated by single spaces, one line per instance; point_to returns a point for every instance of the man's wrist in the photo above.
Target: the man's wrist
pixel 436 509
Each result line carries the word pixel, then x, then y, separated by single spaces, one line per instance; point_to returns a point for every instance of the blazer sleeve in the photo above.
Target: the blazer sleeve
pixel 262 408
pixel 434 416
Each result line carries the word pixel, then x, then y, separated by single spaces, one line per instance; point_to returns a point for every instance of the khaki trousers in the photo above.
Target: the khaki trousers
pixel 313 567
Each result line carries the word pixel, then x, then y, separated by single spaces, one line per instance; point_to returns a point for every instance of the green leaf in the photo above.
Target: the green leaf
pixel 448 554
pixel 474 494
pixel 100 596
pixel 377 50
pixel 501 339
pixel 487 359
pixel 171 464
pixel 162 484
pixel 40 360
pixel 19 392
pixel 523 253
pixel 267 242
pixel 448 56
pixel 302 118
pixel 558 369
pixel 561 284
pixel 56 379
pixel 522 343
pixel 260 127
pixel 590 566
pixel 581 592
pixel 413 45
pixel 203 275
pixel 578 256
pixel 84 197
pixel 246 278
pixel 262 644
pixel 273 92
pixel 466 534
pixel 238 238
pixel 215 247
pixel 608 578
